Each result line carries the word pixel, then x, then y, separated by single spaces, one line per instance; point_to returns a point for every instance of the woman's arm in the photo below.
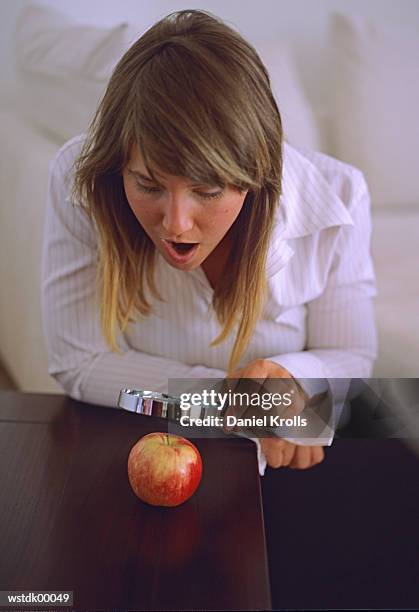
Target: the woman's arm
pixel 341 339
pixel 79 358
pixel 341 328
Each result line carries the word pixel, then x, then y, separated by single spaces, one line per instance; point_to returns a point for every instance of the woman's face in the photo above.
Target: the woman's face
pixel 178 211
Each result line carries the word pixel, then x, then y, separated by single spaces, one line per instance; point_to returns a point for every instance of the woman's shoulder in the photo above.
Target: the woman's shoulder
pixel 67 215
pixel 318 192
pixel 318 201
pixel 61 165
pixel 342 178
pixel 71 148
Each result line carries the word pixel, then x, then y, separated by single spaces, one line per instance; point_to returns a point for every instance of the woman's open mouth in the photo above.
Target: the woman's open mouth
pixel 180 252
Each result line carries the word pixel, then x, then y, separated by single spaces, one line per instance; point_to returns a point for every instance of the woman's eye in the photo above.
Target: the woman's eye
pixel 211 196
pixel 145 189
pixel 204 196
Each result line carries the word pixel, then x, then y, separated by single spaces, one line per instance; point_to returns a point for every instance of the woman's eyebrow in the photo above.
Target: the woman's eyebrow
pixel 143 177
pixel 139 175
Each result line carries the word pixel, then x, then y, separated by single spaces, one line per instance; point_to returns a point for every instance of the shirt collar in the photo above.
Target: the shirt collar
pixel 307 205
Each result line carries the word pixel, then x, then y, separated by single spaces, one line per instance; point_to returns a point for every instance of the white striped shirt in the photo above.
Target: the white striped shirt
pixel 318 321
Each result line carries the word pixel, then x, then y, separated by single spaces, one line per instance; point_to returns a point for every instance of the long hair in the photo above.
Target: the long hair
pixel 195 98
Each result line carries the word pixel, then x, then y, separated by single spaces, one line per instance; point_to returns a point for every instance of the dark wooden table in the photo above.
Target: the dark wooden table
pixel 70 521
pixel 345 533
pixel 342 535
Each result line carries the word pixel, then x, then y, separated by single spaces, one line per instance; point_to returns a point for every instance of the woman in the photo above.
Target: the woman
pixel 216 248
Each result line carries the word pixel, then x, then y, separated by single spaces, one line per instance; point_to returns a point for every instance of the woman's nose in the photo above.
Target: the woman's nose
pixel 177 219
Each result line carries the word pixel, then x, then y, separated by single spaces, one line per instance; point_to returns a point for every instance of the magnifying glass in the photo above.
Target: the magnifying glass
pixel 162 405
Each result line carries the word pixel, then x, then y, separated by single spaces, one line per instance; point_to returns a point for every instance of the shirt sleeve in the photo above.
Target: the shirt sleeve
pixel 341 328
pixel 78 356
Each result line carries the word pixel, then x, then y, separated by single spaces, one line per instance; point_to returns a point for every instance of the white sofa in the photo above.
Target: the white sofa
pixel 56 95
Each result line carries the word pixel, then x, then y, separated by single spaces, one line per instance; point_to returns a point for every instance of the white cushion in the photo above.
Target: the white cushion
pixel 395 232
pixel 376 100
pixel 49 43
pixel 297 116
pixel 59 109
pixel 63 68
pixel 24 160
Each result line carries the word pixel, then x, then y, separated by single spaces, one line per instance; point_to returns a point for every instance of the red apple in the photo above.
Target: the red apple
pixel 164 469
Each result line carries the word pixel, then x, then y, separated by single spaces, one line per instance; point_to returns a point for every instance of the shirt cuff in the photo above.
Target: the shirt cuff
pixel 301 365
pixel 310 373
pixel 262 463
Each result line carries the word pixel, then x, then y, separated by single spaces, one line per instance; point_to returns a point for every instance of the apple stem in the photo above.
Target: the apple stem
pixel 167 438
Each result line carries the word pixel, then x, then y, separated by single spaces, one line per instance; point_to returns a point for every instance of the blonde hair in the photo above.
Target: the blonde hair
pixel 195 98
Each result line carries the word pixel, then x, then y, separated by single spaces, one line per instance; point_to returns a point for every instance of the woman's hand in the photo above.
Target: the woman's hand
pixel 261 368
pixel 258 374
pixel 278 451
pixel 281 453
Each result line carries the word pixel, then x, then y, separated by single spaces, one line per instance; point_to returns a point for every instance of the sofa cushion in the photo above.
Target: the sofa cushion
pixel 375 102
pixel 63 68
pixel 298 118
